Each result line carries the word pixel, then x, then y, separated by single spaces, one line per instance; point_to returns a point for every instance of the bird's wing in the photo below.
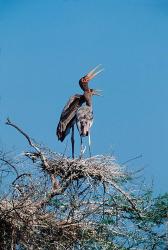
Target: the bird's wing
pixel 68 114
pixel 70 106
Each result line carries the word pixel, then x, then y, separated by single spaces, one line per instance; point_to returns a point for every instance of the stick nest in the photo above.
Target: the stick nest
pixel 100 168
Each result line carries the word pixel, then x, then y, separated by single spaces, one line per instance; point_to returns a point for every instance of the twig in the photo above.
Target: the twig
pixel 11 165
pixel 19 176
pixel 132 159
pixel 127 197
pixel 8 122
pixel 46 166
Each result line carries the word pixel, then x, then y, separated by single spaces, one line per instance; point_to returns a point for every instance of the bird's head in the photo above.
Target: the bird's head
pixel 88 95
pixel 83 82
pixel 95 92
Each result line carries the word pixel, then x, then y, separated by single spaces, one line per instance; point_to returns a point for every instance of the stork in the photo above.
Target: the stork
pixel 68 115
pixel 84 117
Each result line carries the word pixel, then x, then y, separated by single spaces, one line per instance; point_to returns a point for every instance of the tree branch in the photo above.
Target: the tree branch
pixel 54 182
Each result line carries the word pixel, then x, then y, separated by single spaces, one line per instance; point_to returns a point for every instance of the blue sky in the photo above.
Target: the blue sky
pixel 46 46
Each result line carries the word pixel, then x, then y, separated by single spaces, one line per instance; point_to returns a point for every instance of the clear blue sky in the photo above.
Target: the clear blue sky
pixel 46 46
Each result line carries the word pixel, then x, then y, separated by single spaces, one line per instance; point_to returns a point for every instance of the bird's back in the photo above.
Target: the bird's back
pixel 84 119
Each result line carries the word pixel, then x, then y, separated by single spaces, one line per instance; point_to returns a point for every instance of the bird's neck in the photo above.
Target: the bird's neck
pixel 89 103
pixel 88 98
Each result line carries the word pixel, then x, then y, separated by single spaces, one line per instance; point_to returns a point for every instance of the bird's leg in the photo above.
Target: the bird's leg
pixel 89 144
pixel 82 148
pixel 72 141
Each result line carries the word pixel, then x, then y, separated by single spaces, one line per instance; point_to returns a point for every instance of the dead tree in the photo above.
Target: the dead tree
pixel 54 202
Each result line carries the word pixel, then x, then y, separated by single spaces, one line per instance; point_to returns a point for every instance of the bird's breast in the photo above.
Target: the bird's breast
pixel 84 119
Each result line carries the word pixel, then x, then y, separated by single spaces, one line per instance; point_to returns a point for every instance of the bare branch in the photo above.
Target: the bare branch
pixel 8 122
pixel 10 164
pixel 44 160
pixel 92 206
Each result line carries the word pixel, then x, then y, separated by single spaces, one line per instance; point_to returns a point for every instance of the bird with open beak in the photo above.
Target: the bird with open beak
pixel 83 82
pixel 84 117
pixel 68 115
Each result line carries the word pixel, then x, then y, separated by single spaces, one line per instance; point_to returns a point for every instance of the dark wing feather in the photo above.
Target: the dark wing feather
pixel 68 114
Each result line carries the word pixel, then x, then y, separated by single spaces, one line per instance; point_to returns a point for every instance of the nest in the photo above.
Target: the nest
pixel 100 168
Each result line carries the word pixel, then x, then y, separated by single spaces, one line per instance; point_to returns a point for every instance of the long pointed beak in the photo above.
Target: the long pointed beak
pixel 94 72
pixel 97 92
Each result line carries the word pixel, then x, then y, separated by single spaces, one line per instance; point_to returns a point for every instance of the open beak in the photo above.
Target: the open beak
pixel 96 92
pixel 94 72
